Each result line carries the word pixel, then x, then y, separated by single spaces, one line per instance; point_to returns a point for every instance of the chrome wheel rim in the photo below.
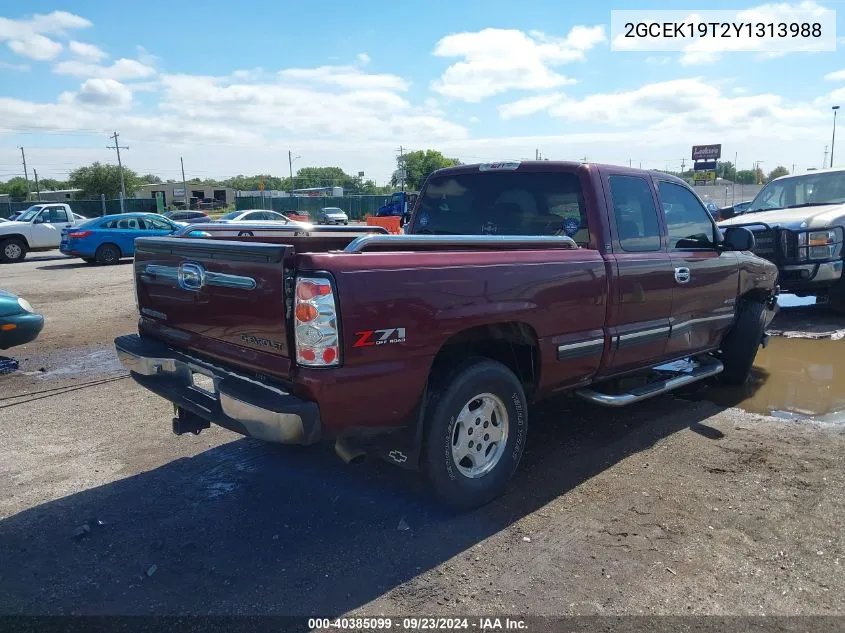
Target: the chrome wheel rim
pixel 480 435
pixel 12 251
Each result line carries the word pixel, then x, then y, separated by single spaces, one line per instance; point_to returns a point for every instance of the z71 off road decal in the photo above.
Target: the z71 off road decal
pixel 371 338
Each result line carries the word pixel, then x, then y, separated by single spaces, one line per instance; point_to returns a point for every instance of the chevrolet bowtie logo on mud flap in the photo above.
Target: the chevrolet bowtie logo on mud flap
pixel 398 456
pixel 370 338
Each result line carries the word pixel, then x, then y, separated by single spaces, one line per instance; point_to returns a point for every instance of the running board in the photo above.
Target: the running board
pixel 690 372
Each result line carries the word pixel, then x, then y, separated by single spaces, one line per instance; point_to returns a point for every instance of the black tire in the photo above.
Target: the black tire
pixel 836 297
pixel 346 223
pixel 475 377
pixel 739 348
pixel 107 254
pixel 13 250
pixel 245 233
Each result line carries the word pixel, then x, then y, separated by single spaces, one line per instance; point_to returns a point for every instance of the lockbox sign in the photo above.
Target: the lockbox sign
pixel 706 152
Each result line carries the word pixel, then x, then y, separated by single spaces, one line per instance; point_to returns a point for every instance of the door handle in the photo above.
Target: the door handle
pixel 682 275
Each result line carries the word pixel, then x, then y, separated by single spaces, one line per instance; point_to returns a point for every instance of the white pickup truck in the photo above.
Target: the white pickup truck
pixel 39 228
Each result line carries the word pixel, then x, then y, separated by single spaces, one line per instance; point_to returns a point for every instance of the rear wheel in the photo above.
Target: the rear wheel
pixel 740 345
pixel 12 250
pixel 107 254
pixel 475 433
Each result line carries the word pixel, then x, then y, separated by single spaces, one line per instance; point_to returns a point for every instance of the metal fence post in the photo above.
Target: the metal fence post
pixel 103 203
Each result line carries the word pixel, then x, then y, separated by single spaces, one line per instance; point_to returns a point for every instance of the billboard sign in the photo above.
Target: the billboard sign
pixel 705 165
pixel 704 176
pixel 706 152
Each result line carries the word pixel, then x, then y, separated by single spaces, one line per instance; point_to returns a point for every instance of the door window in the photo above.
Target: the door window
pixel 688 222
pixel 635 213
pixel 131 224
pixel 57 215
pixel 154 224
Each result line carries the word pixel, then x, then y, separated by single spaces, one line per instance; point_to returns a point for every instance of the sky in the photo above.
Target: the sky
pixel 232 88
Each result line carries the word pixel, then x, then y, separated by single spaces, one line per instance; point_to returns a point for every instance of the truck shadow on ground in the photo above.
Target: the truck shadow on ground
pixel 247 527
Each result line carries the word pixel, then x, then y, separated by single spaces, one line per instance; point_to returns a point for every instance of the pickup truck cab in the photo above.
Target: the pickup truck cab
pixel 798 222
pixel 515 282
pixel 38 228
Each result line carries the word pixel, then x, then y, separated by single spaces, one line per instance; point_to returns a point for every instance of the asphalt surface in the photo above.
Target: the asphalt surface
pixel 674 506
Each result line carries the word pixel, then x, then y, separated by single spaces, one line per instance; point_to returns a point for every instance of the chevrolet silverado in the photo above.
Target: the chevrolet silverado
pixel 515 281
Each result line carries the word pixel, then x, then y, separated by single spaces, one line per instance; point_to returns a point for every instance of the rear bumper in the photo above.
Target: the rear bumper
pixel 238 403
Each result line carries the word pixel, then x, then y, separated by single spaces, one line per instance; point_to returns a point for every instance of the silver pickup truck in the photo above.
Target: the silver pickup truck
pixel 798 222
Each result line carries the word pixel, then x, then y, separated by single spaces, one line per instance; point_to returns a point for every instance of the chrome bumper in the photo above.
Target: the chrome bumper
pixel 828 271
pixel 235 401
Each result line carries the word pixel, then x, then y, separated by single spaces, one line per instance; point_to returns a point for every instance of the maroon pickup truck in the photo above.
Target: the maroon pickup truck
pixel 513 282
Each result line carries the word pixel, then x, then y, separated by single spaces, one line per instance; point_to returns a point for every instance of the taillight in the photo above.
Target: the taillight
pixel 315 323
pixel 79 234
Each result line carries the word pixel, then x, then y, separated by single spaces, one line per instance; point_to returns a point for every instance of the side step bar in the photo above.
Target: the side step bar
pixel 693 372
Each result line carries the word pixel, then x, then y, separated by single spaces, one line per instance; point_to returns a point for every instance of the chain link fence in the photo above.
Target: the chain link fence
pixel 356 207
pixel 87 208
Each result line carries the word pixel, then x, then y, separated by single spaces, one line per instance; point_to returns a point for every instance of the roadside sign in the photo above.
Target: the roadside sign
pixel 703 177
pixel 705 165
pixel 706 152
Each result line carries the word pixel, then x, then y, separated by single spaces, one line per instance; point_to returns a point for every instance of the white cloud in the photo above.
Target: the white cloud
pixel 120 70
pixel 28 37
pixel 146 57
pixel 18 67
pixel 38 47
pixel 839 75
pixel 529 105
pixel 499 60
pixel 349 77
pixel 87 51
pixel 363 59
pixel 103 92
pixel 658 60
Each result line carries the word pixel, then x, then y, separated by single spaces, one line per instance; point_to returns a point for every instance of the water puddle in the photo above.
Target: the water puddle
pixel 71 363
pixel 792 379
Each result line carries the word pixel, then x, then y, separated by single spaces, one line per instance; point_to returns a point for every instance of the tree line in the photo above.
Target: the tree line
pixel 104 178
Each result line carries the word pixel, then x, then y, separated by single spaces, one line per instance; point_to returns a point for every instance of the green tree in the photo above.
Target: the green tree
pixel 745 177
pixel 250 183
pixel 309 177
pixel 419 165
pixel 15 187
pixel 99 178
pixel 150 179
pixel 726 169
pixel 51 184
pixel 777 172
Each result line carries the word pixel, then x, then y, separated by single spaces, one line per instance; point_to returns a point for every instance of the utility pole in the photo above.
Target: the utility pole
pixel 824 160
pixel 26 173
pixel 683 164
pixel 402 170
pixel 833 138
pixel 629 162
pixel 37 190
pixel 184 183
pixel 793 169
pixel 117 148
pixel 537 154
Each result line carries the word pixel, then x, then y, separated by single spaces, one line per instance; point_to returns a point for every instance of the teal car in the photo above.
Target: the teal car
pixel 19 323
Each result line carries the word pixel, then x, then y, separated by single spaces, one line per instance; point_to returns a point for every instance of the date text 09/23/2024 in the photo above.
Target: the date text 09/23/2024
pixel 418 624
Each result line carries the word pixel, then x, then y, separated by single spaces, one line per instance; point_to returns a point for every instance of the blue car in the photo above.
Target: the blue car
pixel 107 239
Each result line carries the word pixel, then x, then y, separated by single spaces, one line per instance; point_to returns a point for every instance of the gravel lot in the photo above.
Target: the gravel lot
pixel 675 506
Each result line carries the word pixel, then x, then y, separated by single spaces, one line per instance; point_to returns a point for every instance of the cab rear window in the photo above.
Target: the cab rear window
pixel 503 203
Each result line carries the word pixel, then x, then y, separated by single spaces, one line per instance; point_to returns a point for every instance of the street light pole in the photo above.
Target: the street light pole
pixel 833 140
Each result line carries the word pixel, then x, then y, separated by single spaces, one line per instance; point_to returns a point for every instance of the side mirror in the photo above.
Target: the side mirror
pixel 738 238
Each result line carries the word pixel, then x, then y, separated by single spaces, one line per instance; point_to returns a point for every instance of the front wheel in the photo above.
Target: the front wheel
pixel 12 250
pixel 475 433
pixel 739 348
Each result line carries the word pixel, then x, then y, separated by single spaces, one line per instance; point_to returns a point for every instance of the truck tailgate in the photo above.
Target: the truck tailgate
pixel 222 298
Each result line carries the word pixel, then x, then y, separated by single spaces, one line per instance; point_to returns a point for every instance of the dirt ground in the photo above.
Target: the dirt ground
pixel 674 506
